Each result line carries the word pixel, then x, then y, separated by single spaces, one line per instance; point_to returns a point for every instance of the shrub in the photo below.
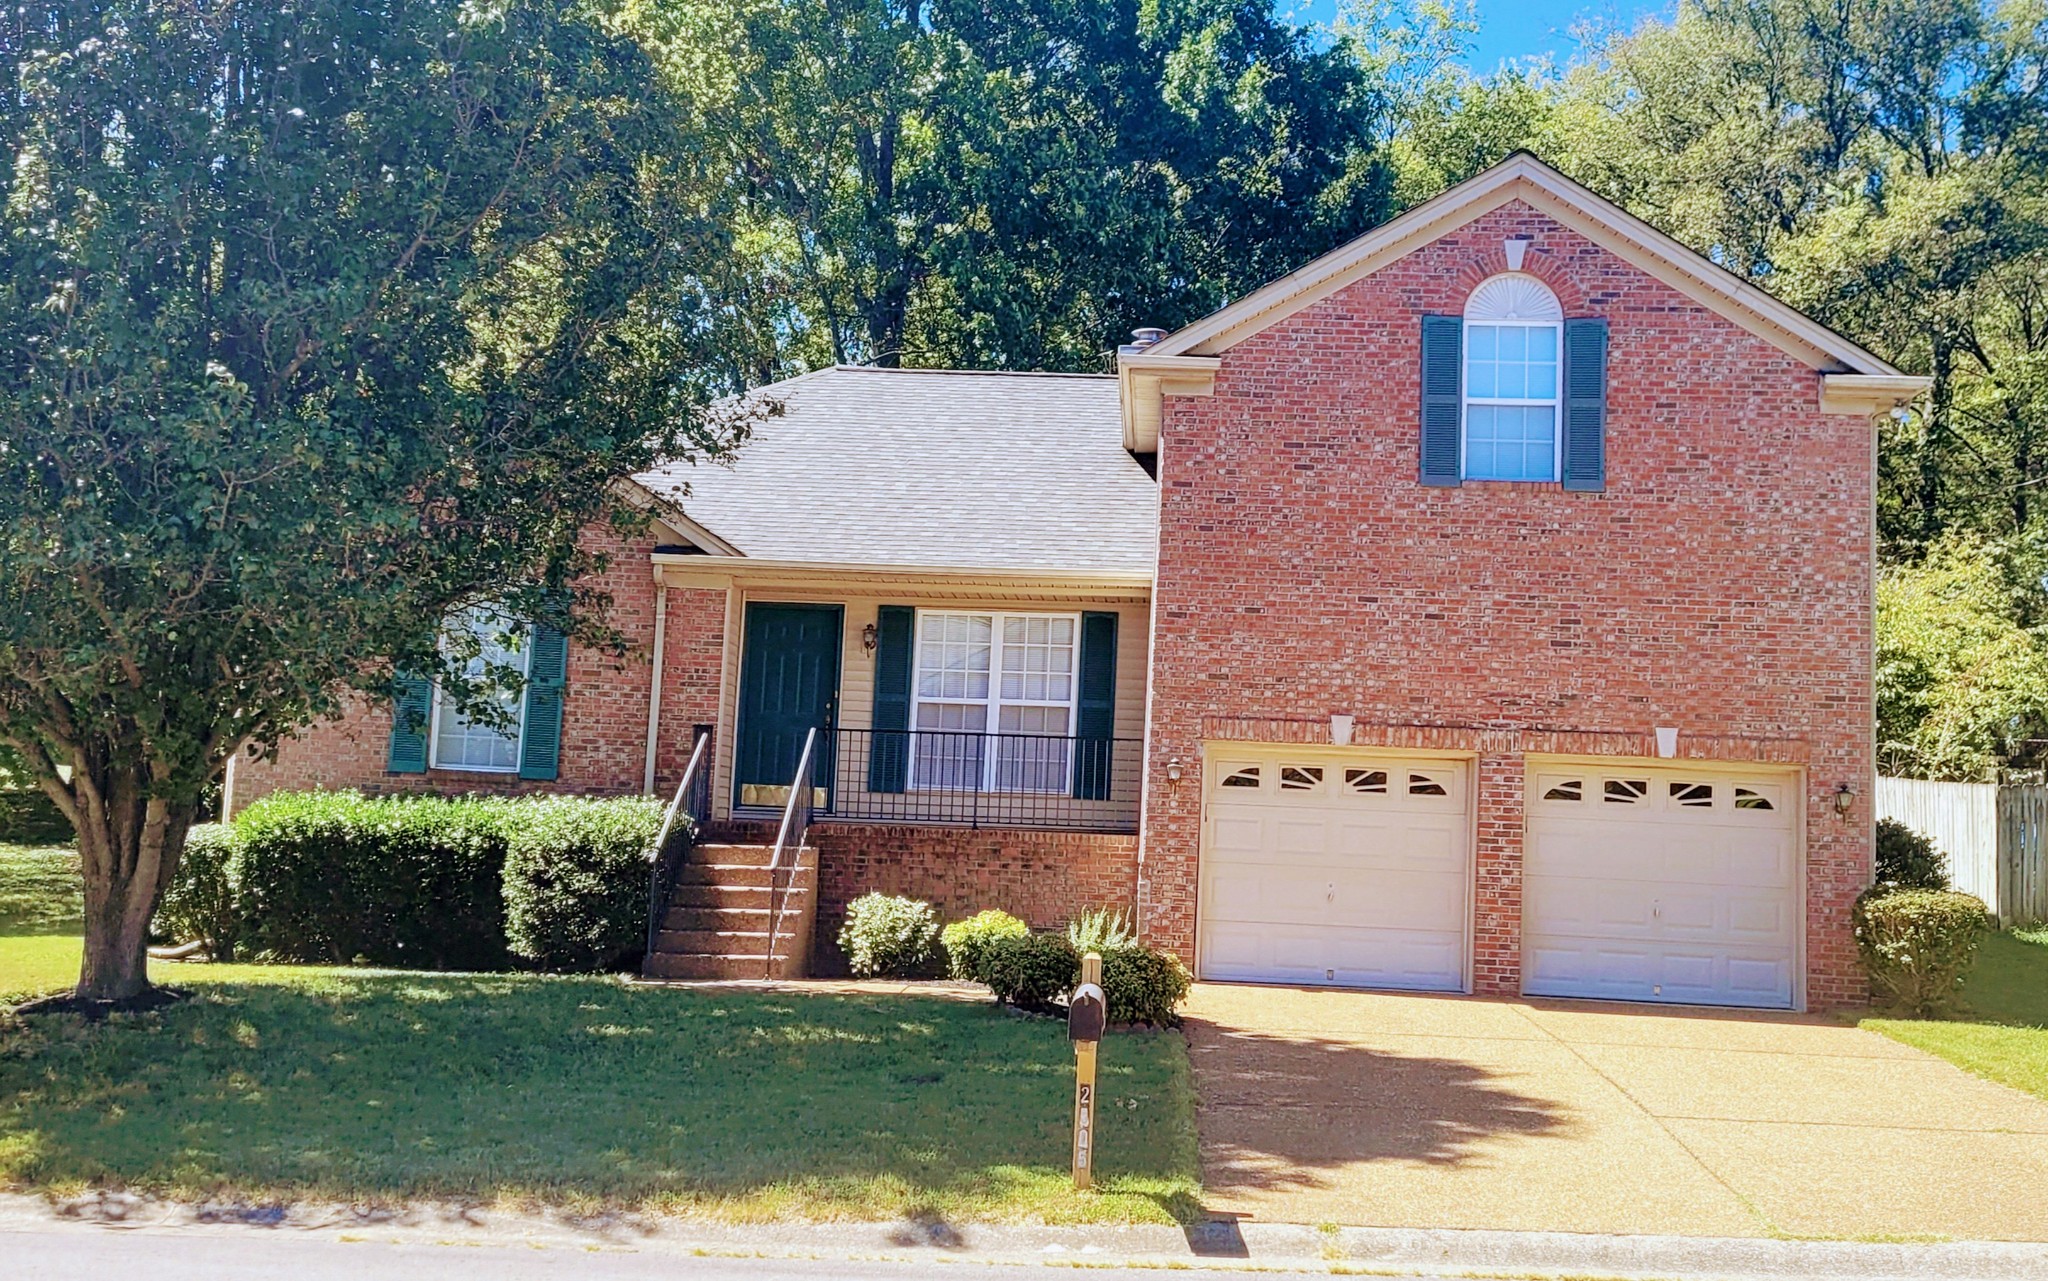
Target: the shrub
pixel 29 817
pixel 1101 930
pixel 1033 971
pixel 889 936
pixel 1918 944
pixel 1142 984
pixel 576 880
pixel 1907 859
pixel 411 881
pixel 967 941
pixel 200 904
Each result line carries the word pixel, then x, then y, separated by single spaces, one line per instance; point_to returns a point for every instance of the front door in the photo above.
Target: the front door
pixel 789 685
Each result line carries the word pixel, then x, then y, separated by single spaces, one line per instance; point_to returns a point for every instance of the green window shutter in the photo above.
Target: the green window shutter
pixel 1585 404
pixel 1095 711
pixel 412 704
pixel 895 661
pixel 1443 362
pixel 547 672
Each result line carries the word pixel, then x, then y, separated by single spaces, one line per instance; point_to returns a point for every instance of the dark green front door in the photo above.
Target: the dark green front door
pixel 789 685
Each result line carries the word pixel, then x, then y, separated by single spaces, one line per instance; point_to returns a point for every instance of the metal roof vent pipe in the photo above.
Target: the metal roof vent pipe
pixel 1140 340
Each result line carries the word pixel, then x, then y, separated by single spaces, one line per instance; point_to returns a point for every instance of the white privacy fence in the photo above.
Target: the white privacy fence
pixel 1996 838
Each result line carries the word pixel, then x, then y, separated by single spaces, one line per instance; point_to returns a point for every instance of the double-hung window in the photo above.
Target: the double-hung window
pixel 461 742
pixel 1512 329
pixel 994 701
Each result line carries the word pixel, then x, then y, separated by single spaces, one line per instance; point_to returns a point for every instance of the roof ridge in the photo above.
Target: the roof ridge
pixel 979 373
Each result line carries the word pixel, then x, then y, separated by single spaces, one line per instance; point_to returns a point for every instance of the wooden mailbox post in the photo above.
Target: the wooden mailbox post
pixel 1087 1015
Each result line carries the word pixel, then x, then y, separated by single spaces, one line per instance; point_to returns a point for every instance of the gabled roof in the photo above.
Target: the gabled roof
pixel 932 470
pixel 1180 362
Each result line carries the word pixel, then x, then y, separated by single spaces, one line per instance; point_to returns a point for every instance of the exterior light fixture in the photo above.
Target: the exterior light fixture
pixel 1845 799
pixel 1173 771
pixel 867 638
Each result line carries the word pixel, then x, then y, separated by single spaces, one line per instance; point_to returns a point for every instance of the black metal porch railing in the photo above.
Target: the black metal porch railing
pixel 1043 781
pixel 692 805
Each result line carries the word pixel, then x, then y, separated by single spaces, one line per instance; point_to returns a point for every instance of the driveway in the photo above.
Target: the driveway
pixel 1378 1109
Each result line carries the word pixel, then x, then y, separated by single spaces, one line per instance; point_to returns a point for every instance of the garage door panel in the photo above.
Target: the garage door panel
pixel 1348 880
pixel 1676 895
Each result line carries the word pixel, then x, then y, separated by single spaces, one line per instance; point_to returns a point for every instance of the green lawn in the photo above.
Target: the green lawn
pixel 2001 1031
pixel 283 1082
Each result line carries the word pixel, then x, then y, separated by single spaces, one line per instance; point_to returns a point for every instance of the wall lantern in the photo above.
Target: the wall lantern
pixel 1173 771
pixel 867 638
pixel 1845 799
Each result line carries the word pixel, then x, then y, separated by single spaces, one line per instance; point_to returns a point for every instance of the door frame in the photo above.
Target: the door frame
pixel 1776 770
pixel 829 756
pixel 1467 761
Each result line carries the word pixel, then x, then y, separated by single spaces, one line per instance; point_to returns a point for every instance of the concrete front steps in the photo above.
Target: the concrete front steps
pixel 719 917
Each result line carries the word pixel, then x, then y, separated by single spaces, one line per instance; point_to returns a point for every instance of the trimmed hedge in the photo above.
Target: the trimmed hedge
pixel 1918 945
pixel 1032 972
pixel 200 904
pixel 967 942
pixel 29 817
pixel 339 878
pixel 886 936
pixel 1907 859
pixel 576 880
pixel 425 882
pixel 1142 984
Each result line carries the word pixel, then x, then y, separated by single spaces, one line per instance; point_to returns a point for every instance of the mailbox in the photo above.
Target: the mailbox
pixel 1087 1015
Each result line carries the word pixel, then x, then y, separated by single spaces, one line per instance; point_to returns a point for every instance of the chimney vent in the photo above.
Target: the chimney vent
pixel 1143 338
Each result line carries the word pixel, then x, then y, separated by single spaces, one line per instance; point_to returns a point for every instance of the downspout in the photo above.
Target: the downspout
pixel 654 683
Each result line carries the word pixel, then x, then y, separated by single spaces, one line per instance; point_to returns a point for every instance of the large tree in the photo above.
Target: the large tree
pixel 317 322
pixel 944 182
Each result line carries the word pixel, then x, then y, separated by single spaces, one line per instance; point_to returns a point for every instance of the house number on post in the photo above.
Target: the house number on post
pixel 1086 1017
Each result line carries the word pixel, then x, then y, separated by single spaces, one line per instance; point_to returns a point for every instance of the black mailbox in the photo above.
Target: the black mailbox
pixel 1086 1014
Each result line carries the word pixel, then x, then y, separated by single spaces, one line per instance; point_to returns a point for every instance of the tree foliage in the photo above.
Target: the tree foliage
pixel 943 183
pixel 1962 687
pixel 317 322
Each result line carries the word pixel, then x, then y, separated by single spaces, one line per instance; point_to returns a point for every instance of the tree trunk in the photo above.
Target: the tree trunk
pixel 128 845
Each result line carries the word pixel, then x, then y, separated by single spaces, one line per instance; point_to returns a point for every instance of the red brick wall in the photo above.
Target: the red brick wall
pixel 604 709
pixel 1043 877
pixel 1721 584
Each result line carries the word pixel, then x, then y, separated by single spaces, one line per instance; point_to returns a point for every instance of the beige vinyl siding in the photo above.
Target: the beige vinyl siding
pixel 857 666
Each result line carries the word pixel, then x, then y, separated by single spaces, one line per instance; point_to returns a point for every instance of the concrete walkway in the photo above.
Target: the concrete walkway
pixel 1401 1111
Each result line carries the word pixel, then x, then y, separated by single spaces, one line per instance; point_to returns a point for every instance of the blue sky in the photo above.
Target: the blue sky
pixel 1523 29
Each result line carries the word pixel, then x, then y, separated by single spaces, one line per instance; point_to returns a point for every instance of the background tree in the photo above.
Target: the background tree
pixel 316 323
pixel 1962 688
pixel 942 183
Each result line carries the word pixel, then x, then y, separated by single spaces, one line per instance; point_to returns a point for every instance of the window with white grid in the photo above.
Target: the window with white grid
pixel 463 743
pixel 995 701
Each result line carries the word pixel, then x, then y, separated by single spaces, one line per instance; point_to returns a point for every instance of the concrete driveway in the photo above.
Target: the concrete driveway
pixel 1377 1109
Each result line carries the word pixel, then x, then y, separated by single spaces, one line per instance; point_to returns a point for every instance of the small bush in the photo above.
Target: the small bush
pixel 200 904
pixel 576 880
pixel 1918 945
pixel 1101 930
pixel 1142 984
pixel 885 936
pixel 967 941
pixel 1907 859
pixel 1032 971
pixel 403 881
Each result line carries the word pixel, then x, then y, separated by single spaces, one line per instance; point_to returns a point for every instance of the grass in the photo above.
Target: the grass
pixel 285 1082
pixel 2000 1030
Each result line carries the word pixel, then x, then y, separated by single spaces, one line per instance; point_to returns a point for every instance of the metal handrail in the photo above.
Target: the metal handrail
pixel 796 821
pixel 665 864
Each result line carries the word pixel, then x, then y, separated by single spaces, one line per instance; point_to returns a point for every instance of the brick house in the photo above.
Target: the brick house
pixel 1485 606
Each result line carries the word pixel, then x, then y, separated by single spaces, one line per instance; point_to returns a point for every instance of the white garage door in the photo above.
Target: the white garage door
pixel 1676 885
pixel 1328 869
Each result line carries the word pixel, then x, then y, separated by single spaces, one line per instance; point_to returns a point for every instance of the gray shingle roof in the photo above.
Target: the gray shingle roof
pixel 931 468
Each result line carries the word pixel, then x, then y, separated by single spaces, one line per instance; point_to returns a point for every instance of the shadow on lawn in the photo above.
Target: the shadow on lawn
pixel 471 1086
